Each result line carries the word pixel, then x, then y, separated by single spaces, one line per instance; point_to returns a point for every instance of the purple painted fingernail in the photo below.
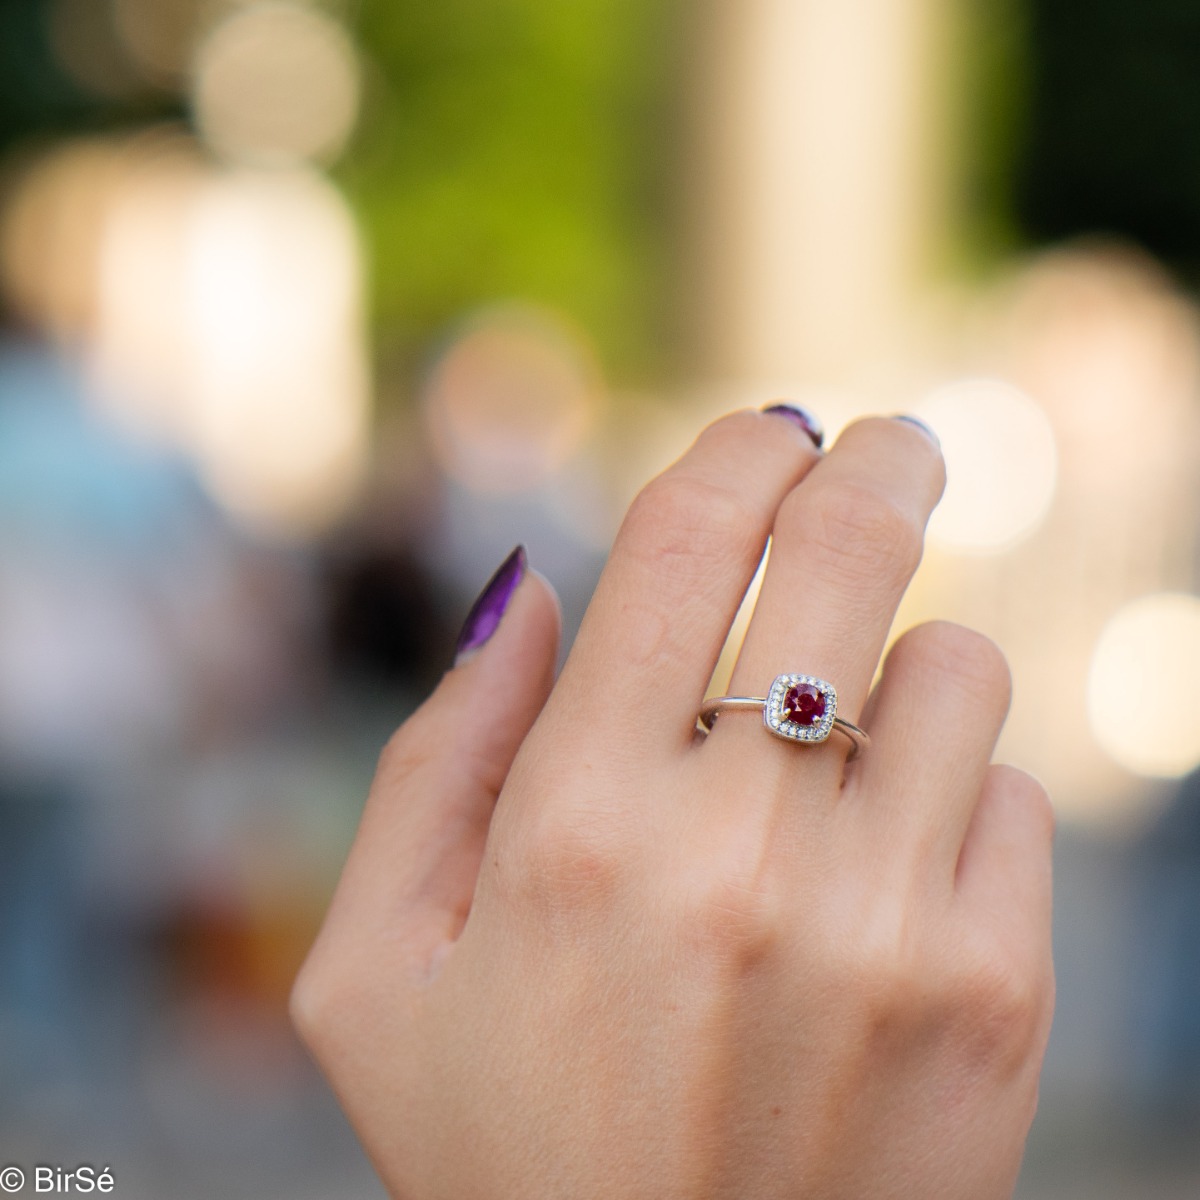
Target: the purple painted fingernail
pixel 933 437
pixel 799 415
pixel 485 614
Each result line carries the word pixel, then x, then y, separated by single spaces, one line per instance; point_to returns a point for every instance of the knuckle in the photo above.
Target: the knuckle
pixel 566 860
pixel 887 972
pixel 1041 808
pixel 311 1006
pixel 853 530
pixel 407 752
pixel 1029 797
pixel 731 917
pixel 922 451
pixel 731 428
pixel 334 997
pixel 681 523
pixel 432 749
pixel 874 966
pixel 973 992
pixel 1002 1003
pixel 973 662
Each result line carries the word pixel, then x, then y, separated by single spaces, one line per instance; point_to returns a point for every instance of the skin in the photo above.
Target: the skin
pixel 580 951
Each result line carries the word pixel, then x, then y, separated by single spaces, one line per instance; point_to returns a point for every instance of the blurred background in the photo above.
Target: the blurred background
pixel 312 310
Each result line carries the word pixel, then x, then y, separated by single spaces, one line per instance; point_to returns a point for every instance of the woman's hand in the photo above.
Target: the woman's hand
pixel 579 952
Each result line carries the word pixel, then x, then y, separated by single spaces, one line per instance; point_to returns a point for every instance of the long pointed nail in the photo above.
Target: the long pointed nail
pixel 484 617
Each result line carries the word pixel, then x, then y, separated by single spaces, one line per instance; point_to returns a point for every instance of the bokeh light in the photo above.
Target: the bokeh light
pixel 1144 686
pixel 86 45
pixel 276 83
pixel 139 351
pixel 1001 465
pixel 51 233
pixel 1108 342
pixel 511 399
pixel 158 35
pixel 279 382
pixel 216 311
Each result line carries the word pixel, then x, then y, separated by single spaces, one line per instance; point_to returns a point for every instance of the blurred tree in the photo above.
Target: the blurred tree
pixel 1110 139
pixel 33 92
pixel 38 96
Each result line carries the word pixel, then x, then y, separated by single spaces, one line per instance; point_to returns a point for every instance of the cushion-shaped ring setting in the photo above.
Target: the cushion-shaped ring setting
pixel 800 708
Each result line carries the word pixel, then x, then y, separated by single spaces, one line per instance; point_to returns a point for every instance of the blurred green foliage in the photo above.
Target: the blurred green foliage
pixel 520 148
pixel 530 148
pixel 992 80
pixel 508 149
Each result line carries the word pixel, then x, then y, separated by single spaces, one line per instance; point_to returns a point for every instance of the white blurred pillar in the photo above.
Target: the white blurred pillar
pixel 819 182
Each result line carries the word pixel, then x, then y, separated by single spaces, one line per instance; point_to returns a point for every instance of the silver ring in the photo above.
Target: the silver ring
pixel 799 708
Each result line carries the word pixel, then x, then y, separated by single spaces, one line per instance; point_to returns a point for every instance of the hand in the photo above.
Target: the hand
pixel 578 951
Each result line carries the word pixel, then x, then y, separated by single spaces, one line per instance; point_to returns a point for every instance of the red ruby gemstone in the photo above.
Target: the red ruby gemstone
pixel 803 704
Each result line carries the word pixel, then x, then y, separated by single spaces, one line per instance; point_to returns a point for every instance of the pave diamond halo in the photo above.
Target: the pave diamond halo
pixel 800 708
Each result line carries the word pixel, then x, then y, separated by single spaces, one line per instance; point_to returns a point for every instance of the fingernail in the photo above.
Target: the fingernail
pixel 484 617
pixel 933 437
pixel 800 415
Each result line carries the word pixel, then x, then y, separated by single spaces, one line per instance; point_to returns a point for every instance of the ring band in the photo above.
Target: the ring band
pixel 798 708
